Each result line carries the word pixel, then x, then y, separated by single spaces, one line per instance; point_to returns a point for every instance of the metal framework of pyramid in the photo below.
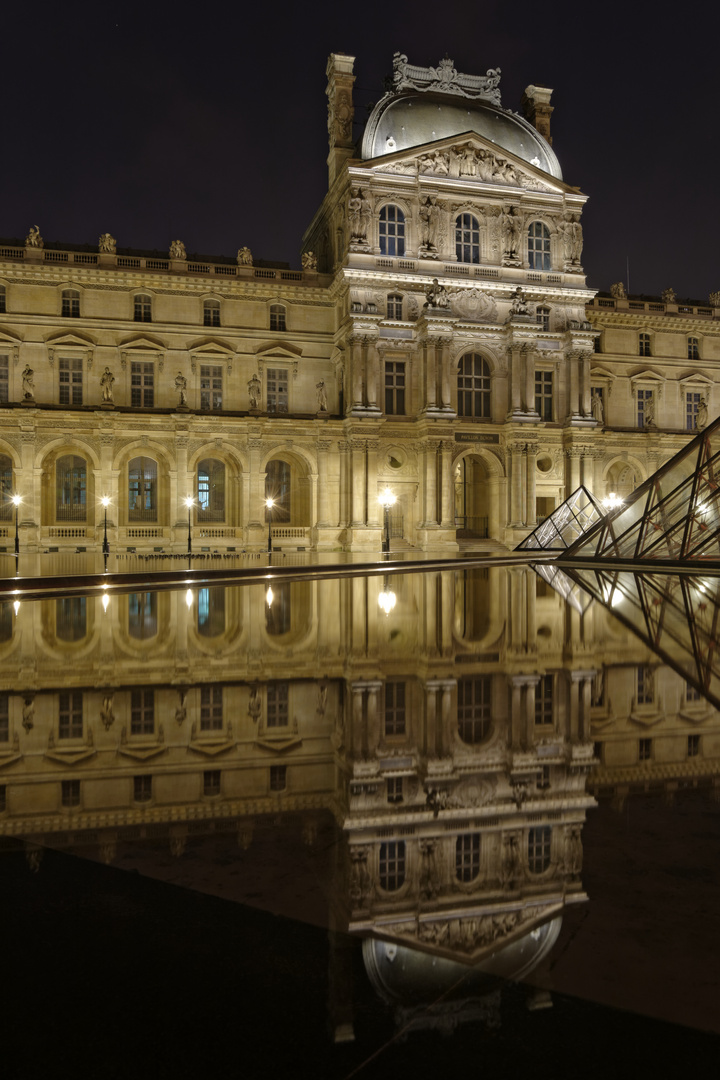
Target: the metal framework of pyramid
pixel 673 517
pixel 568 522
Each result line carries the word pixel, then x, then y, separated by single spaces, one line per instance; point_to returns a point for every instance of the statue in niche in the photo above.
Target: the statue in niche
pixel 617 291
pixel 106 382
pixel 28 713
pixel 518 304
pixel 309 261
pixel 244 256
pixel 436 296
pixel 322 399
pixel 429 222
pixel 510 226
pixel 181 387
pixel 107 714
pixel 255 704
pixel 701 416
pixel 360 213
pixel 177 250
pixel 106 244
pixel 181 708
pixel 254 390
pixel 649 411
pixel 576 239
pixel 28 383
pixel 597 408
pixel 33 238
pixel 668 296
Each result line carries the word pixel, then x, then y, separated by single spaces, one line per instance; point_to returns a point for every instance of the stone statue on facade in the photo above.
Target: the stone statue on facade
pixel 28 713
pixel 107 714
pixel 322 399
pixel 429 222
pixel 106 382
pixel 617 291
pixel 436 296
pixel 668 296
pixel 244 256
pixel 33 238
pixel 714 299
pixel 28 383
pixel 106 244
pixel 181 387
pixel 254 390
pixel 597 408
pixel 701 416
pixel 359 212
pixel 254 704
pixel 511 228
pixel 181 708
pixel 649 411
pixel 572 235
pixel 518 304
pixel 177 250
pixel 309 261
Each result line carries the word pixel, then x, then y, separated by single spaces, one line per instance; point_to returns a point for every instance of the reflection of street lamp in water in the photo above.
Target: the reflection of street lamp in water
pixel 387 598
pixel 189 503
pixel 17 500
pixel 269 597
pixel 106 547
pixel 387 498
pixel 269 503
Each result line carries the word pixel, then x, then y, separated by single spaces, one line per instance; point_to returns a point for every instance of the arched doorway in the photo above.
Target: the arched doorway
pixel 472 499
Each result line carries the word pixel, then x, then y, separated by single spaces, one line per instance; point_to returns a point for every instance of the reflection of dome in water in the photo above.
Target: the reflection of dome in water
pixel 402 974
pixel 414 119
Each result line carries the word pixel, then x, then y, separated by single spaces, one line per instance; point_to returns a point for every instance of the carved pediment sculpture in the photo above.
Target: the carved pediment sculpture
pixel 473 304
pixel 444 78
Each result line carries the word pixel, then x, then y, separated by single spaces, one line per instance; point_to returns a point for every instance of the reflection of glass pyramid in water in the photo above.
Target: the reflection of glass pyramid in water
pixel 674 516
pixel 567 523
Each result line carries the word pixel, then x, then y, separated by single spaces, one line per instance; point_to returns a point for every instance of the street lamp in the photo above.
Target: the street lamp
pixel 189 501
pixel 269 503
pixel 387 498
pixel 612 501
pixel 106 547
pixel 17 500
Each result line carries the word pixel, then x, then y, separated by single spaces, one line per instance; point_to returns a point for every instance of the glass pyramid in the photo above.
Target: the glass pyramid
pixel 673 517
pixel 567 523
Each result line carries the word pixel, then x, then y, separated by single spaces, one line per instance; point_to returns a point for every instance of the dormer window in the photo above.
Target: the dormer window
pixel 143 308
pixel 71 304
pixel 211 313
pixel 693 348
pixel 644 345
pixel 277 317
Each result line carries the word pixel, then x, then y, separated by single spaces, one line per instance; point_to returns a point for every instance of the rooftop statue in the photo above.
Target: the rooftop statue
pixel 177 250
pixel 444 78
pixel 33 238
pixel 106 244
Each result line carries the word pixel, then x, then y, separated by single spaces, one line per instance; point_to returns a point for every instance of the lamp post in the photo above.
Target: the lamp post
pixel 387 498
pixel 189 503
pixel 106 547
pixel 17 500
pixel 269 503
pixel 612 501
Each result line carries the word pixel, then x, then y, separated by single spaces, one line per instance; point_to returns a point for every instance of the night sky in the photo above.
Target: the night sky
pixel 207 123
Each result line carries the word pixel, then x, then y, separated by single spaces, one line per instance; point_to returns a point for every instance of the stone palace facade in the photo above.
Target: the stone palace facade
pixel 439 341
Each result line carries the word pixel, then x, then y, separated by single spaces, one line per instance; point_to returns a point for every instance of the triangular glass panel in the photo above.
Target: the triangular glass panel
pixel 567 523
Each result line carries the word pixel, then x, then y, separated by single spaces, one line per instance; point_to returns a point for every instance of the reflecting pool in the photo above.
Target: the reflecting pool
pixel 338 820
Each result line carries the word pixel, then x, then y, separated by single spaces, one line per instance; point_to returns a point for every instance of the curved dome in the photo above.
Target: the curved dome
pixel 408 120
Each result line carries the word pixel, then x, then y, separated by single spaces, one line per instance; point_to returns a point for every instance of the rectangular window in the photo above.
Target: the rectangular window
pixel 644 407
pixel 544 394
pixel 142 385
pixel 4 377
pixel 395 708
pixel 2 300
pixel 277 317
pixel 474 696
pixel 211 313
pixel 392 865
pixel 71 304
pixel 467 857
pixel 211 708
pixel 4 718
pixel 693 745
pixel 277 704
pixel 142 712
pixel 211 782
pixel 277 390
pixel 142 788
pixel 644 749
pixel 395 387
pixel 544 700
pixel 643 344
pixel 210 388
pixel 692 401
pixel 395 789
pixel 693 348
pixel 539 840
pixel 394 307
pixel 645 685
pixel 70 725
pixel 691 692
pixel 142 309
pixel 3 799
pixel 278 777
pixel 70 793
pixel 71 379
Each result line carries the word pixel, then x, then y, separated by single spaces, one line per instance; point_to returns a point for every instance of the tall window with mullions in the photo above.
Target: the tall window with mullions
pixel 538 246
pixel 392 231
pixel 142 489
pixel 467 239
pixel 71 488
pixel 7 508
pixel 474 386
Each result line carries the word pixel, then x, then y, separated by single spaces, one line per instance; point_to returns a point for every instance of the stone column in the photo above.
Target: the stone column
pixel 585 399
pixel 515 376
pixel 572 719
pixel 257 484
pixel 184 484
pixel 574 402
pixel 531 682
pixel 313 478
pixel 357 358
pixel 447 486
pixel 345 483
pixel 531 468
pixel 448 686
pixel 358 482
pixel 323 446
pixel 430 376
pixel 441 351
pixel 430 484
pixel 431 717
pixel 373 717
pixel 516 492
pixel 516 711
pixel 573 470
pixel 529 354
pixel 372 364
pixel 373 506
pixel 359 740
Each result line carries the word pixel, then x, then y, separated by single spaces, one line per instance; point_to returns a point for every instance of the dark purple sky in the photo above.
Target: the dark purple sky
pixel 208 123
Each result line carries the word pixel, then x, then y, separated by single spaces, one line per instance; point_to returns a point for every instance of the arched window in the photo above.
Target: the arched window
pixel 392 865
pixel 71 489
pixel 6 488
pixel 71 618
pixel 277 317
pixel 473 708
pixel 71 303
pixel 143 308
pixel 2 300
pixel 211 313
pixel 538 246
pixel 542 317
pixel 277 488
pixel 142 615
pixel 473 386
pixel 467 857
pixel 643 345
pixel 142 489
pixel 211 490
pixel 211 611
pixel 539 849
pixel 467 239
pixel 394 306
pixel 693 348
pixel 392 231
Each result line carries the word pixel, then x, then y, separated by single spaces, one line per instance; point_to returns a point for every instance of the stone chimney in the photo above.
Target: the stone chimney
pixel 537 109
pixel 340 111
